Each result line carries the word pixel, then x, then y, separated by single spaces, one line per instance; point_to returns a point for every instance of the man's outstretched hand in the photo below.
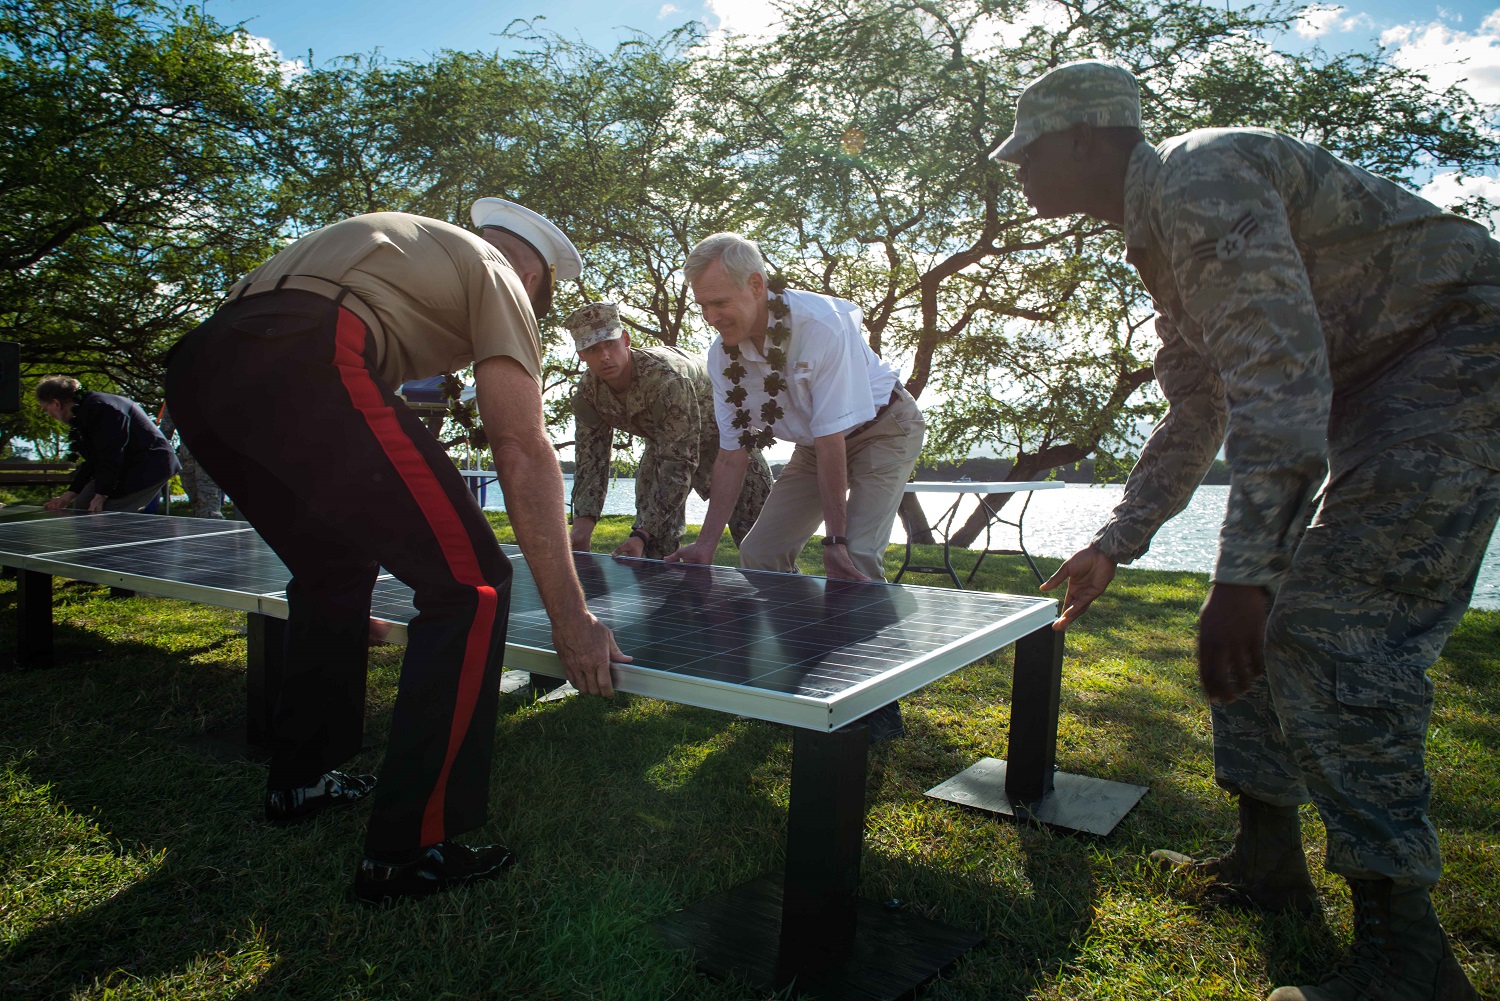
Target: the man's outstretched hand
pixel 1087 573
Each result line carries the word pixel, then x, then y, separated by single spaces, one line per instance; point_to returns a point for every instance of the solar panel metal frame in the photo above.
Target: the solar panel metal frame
pixel 1011 616
pixel 81 562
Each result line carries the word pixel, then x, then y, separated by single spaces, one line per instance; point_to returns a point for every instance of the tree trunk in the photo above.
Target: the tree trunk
pixel 918 530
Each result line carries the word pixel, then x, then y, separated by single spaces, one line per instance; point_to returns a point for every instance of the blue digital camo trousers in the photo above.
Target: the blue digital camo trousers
pixel 1380 578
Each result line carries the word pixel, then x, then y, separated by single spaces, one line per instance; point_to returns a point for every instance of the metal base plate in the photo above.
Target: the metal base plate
pixel 737 933
pixel 1076 802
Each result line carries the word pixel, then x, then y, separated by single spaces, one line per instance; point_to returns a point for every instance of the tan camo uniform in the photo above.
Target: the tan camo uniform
pixel 670 407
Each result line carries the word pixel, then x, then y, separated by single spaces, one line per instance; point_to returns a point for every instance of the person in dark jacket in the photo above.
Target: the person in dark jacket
pixel 126 459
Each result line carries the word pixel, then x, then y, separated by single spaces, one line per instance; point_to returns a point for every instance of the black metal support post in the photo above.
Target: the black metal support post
pixel 1028 785
pixel 34 619
pixel 825 835
pixel 1035 690
pixel 808 933
pixel 265 658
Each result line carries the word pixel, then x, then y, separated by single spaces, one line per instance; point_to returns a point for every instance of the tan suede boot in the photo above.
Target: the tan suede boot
pixel 1400 953
pixel 1266 868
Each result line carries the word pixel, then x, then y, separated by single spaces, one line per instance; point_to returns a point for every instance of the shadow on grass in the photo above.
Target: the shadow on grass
pixel 160 879
pixel 165 877
pixel 186 892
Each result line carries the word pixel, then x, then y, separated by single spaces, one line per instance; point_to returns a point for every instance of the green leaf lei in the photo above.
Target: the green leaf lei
pixel 778 332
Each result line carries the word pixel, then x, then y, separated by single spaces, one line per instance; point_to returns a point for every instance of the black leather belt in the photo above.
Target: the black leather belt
pixel 332 291
pixel 895 395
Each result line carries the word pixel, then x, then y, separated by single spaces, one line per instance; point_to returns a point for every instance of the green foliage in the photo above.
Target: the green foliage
pixel 862 133
pixel 131 174
pixel 156 157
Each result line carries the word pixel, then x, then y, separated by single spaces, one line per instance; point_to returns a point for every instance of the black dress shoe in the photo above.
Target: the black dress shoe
pixel 437 867
pixel 285 807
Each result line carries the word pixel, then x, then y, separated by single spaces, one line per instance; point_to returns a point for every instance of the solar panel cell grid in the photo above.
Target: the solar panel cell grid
pixel 787 647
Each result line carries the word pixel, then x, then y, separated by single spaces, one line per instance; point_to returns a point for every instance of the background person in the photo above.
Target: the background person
pixel 662 395
pixel 286 396
pixel 125 459
pixel 795 365
pixel 1345 332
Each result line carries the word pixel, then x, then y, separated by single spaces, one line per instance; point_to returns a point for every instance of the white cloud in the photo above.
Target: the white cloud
pixel 1448 55
pixel 1449 189
pixel 667 10
pixel 1009 31
pixel 1321 18
pixel 751 18
pixel 265 51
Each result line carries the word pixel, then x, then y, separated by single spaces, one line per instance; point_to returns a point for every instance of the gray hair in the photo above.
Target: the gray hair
pixel 741 258
pixel 58 388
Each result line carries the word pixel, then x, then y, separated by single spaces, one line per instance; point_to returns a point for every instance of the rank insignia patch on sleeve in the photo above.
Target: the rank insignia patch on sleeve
pixel 1232 244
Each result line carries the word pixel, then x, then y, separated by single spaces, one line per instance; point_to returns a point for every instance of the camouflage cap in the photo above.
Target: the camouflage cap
pixel 591 324
pixel 1097 93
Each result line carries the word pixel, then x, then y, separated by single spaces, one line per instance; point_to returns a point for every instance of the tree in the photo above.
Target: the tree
pixel 863 133
pixel 132 179
pixel 597 142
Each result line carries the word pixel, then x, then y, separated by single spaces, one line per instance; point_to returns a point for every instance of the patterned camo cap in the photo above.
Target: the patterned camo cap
pixel 1097 93
pixel 596 322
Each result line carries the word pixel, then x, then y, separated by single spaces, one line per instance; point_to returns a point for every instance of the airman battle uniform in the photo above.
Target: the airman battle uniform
pixel 1354 327
pixel 670 406
pixel 1345 333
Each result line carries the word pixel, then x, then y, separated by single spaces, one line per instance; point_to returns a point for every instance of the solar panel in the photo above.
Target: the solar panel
pixel 211 561
pixel 789 648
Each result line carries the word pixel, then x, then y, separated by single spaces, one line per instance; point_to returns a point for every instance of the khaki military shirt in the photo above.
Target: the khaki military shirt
pixel 1282 277
pixel 444 297
pixel 670 405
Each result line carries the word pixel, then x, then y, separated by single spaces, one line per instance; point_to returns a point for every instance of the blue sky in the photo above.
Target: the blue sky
pixel 402 29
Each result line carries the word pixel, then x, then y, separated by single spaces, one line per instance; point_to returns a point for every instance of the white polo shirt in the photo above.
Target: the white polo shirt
pixel 835 382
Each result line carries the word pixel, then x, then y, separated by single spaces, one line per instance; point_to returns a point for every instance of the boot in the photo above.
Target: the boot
pixel 1266 867
pixel 1400 953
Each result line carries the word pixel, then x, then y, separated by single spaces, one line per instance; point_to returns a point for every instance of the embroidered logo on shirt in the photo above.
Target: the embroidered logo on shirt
pixel 1232 244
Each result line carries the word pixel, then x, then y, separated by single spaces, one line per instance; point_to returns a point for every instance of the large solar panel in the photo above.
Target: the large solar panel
pixel 789 648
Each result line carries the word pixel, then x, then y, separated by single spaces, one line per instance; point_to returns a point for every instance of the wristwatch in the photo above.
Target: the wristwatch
pixel 835 540
pixel 636 533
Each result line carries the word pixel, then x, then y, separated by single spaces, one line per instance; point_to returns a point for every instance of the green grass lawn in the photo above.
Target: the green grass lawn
pixel 133 864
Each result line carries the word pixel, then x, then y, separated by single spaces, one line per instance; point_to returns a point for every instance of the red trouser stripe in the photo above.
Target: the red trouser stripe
pixel 447 527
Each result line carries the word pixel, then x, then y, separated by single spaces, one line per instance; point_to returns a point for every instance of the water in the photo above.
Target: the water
pixel 1060 522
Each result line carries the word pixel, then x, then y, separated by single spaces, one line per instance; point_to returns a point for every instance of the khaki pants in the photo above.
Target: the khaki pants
pixel 880 460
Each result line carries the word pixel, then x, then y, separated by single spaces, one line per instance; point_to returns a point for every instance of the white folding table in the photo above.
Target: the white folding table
pixel 944 523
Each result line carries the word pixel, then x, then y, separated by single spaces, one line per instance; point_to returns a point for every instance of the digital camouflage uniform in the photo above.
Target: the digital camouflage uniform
pixel 670 406
pixel 1341 337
